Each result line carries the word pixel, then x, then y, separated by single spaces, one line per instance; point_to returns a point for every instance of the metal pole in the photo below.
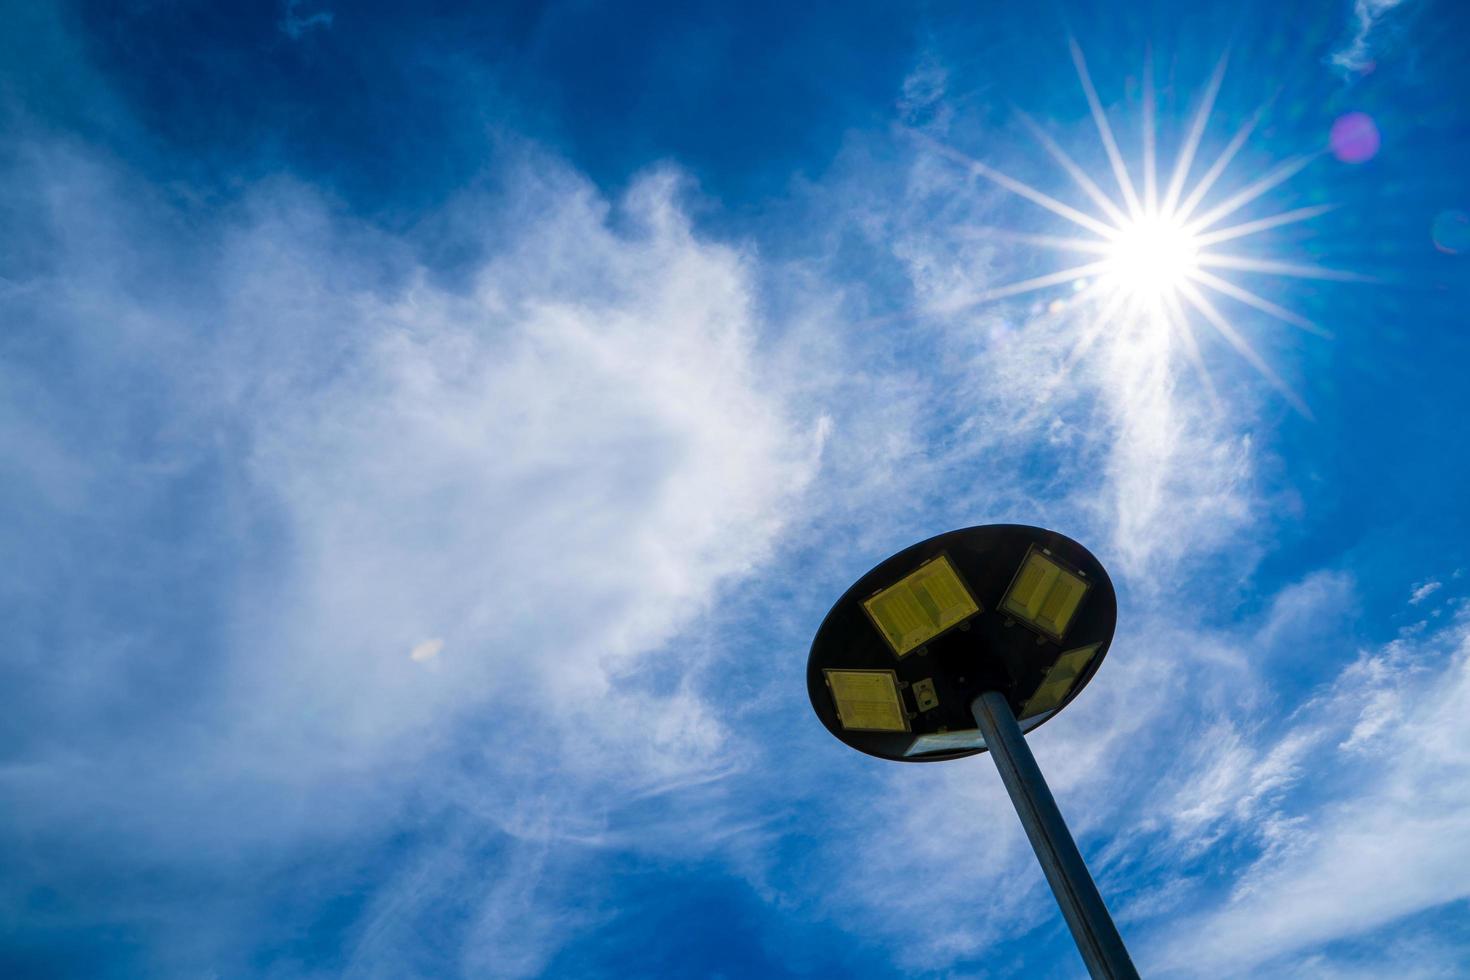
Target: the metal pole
pixel 1092 927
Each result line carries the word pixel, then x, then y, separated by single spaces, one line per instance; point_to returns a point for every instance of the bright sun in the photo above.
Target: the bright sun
pixel 1152 253
pixel 1152 257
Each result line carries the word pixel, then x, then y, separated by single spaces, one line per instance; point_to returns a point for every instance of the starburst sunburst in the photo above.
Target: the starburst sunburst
pixel 1154 252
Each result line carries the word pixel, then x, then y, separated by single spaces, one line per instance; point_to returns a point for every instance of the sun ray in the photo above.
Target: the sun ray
pixel 1018 188
pixel 1037 197
pixel 1278 174
pixel 1097 323
pixel 1242 347
pixel 1179 323
pixel 1061 278
pixel 1150 161
pixel 1274 268
pixel 1249 298
pixel 1041 282
pixel 1058 242
pixel 1191 140
pixel 1105 131
pixel 1251 227
pixel 1218 167
pixel 1094 330
pixel 1153 268
pixel 1087 184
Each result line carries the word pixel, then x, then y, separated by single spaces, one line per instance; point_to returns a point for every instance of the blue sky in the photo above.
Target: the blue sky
pixel 432 435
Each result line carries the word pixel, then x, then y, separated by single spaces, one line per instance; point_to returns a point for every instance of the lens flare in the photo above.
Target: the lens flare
pixel 1354 138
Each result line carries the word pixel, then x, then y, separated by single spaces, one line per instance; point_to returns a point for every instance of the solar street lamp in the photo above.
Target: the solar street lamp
pixel 960 644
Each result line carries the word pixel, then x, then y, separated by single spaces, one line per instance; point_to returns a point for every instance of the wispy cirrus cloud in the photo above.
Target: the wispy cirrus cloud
pixel 1179 761
pixel 1033 416
pixel 359 574
pixel 1369 838
pixel 295 22
pixel 413 515
pixel 1424 590
pixel 1137 452
pixel 1359 53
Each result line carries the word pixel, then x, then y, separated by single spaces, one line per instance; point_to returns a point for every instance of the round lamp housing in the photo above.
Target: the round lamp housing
pixel 898 660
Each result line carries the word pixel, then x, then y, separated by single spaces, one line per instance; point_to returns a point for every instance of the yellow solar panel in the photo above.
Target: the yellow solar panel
pixel 921 605
pixel 867 700
pixel 1045 594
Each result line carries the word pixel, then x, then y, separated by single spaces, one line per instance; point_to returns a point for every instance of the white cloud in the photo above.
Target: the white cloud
pixel 1424 591
pixel 1349 810
pixel 1376 836
pixel 1117 447
pixel 922 102
pixel 549 471
pixel 1167 758
pixel 1358 54
pixel 427 650
pixel 1136 454
pixel 294 23
pixel 551 475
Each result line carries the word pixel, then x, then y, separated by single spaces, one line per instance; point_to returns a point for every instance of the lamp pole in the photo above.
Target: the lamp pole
pixel 1087 916
pixel 961 644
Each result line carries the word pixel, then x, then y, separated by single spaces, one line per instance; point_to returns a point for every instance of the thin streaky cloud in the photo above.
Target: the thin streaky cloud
pixel 1424 591
pixel 1358 55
